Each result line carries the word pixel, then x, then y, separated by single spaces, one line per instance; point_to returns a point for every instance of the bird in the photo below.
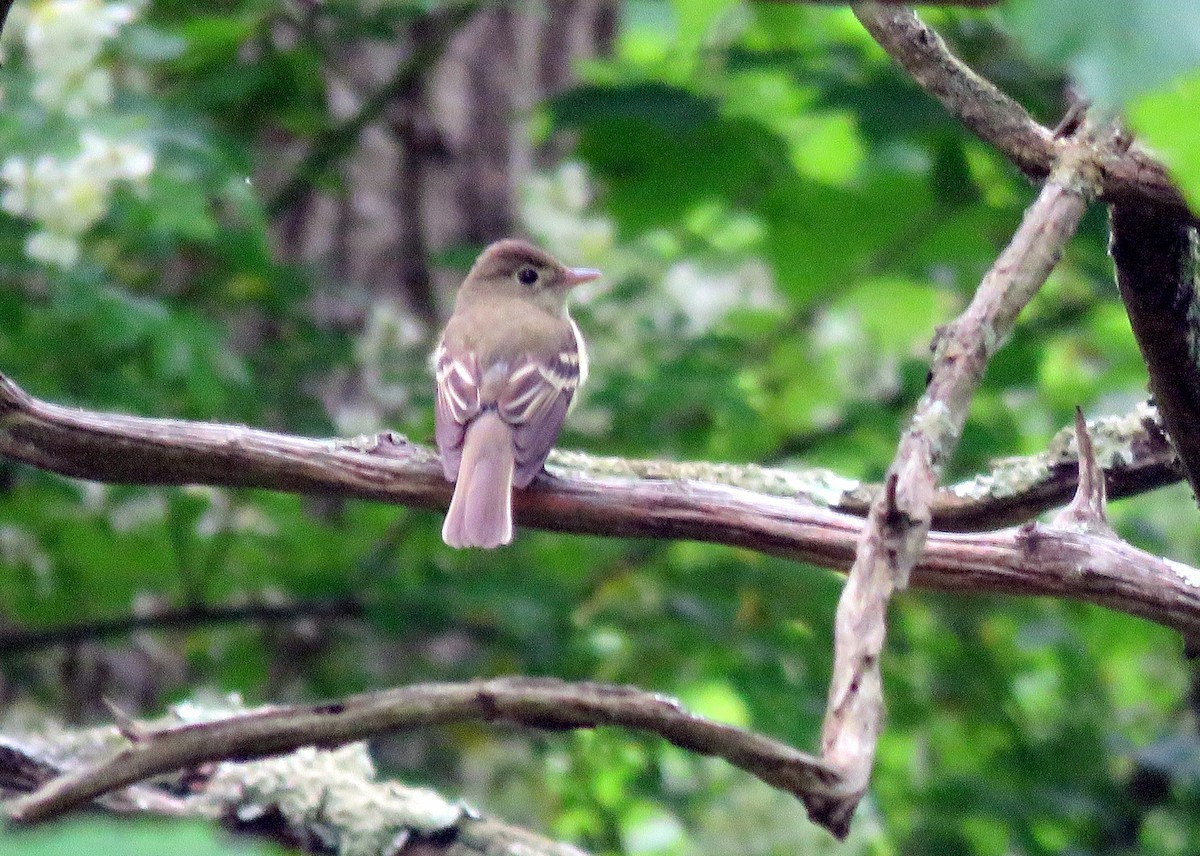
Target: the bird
pixel 506 367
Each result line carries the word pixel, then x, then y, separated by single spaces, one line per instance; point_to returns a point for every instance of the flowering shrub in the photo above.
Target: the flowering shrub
pixel 66 194
pixel 66 197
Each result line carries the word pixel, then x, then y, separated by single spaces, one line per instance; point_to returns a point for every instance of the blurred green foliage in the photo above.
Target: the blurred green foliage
pixel 785 219
pixel 130 838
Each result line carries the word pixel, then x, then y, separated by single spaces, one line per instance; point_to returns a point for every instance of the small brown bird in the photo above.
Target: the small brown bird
pixel 507 367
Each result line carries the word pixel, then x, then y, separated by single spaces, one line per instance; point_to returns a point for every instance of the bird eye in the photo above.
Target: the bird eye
pixel 527 276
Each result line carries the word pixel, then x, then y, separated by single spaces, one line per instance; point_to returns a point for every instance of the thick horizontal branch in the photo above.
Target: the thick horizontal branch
pixel 129 449
pixel 1132 449
pixel 539 703
pixel 1155 253
pixel 15 640
pixel 1134 176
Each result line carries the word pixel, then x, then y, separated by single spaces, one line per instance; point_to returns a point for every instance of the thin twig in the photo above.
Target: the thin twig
pixel 1017 490
pixel 898 525
pixel 1134 176
pixel 1087 510
pixel 538 703
pixel 14 640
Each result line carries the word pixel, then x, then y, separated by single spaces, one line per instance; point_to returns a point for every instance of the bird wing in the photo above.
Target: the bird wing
pixel 457 403
pixel 532 394
pixel 536 401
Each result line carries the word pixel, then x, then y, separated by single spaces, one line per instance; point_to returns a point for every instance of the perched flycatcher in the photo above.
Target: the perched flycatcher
pixel 507 367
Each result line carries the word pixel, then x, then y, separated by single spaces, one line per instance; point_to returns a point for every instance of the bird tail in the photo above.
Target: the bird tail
pixel 480 513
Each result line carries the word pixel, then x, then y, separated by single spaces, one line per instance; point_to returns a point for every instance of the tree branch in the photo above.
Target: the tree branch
pixel 899 521
pixel 1132 449
pixel 314 801
pixel 129 449
pixel 539 703
pixel 1134 176
pixel 15 640
pixel 1155 252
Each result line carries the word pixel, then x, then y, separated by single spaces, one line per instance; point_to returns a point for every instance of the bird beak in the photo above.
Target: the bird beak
pixel 578 276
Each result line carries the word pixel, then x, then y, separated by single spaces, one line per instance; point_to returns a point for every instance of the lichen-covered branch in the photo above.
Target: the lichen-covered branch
pixel 539 703
pixel 1133 176
pixel 1042 560
pixel 665 503
pixel 1156 252
pixel 321 801
pixel 899 521
pixel 1132 450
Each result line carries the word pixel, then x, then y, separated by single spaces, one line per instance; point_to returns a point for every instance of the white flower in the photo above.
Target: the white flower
pixel 134 163
pixel 706 297
pixel 64 40
pixel 113 161
pixel 53 249
pixel 15 173
pixel 79 205
pixel 68 197
pixel 95 89
pixel 15 170
pixel 13 201
pixel 117 15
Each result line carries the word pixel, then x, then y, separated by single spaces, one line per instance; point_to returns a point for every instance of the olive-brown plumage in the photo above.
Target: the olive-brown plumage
pixel 507 367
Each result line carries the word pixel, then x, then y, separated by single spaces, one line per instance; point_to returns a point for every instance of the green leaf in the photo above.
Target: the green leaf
pixel 1168 120
pixel 696 19
pixel 667 153
pixel 129 838
pixel 1115 49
